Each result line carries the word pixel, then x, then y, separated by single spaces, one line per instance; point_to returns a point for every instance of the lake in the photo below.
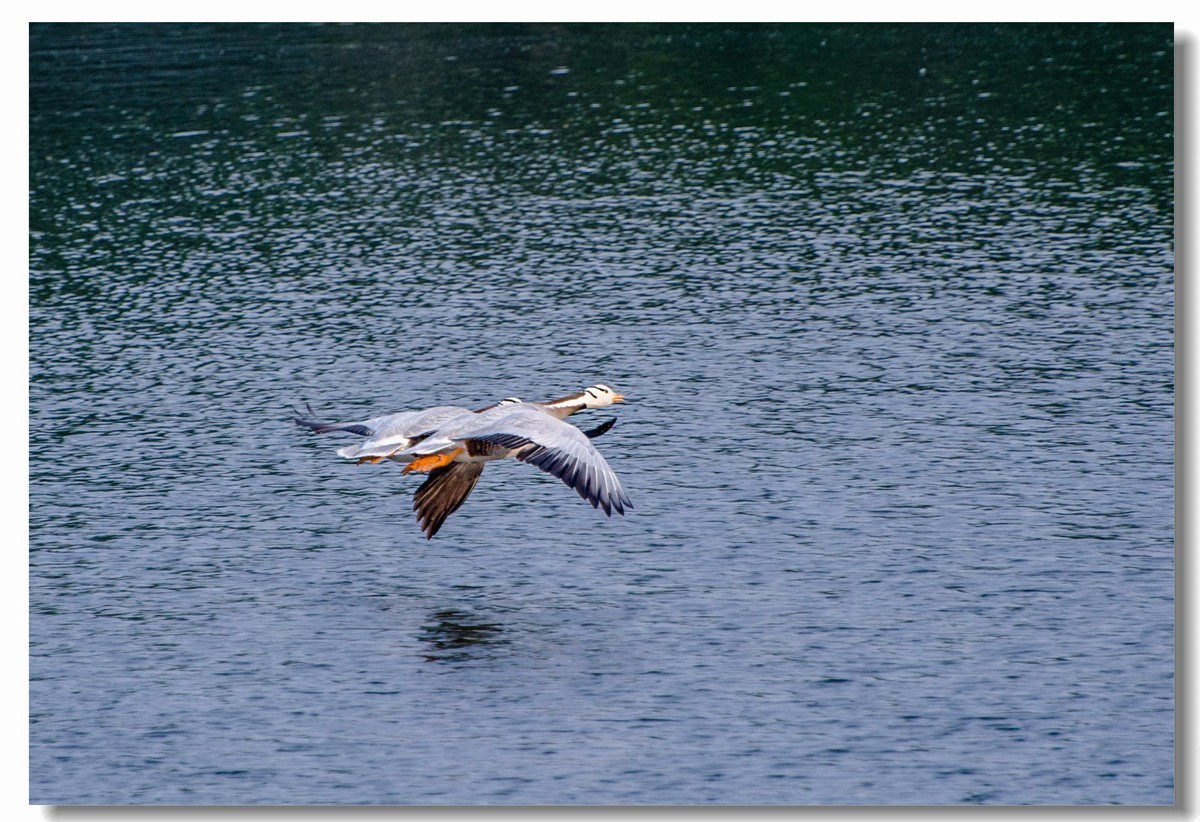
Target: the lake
pixel 893 306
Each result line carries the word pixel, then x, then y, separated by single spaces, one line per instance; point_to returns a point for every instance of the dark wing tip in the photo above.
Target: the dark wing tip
pixel 317 427
pixel 574 475
pixel 301 419
pixel 309 423
pixel 600 429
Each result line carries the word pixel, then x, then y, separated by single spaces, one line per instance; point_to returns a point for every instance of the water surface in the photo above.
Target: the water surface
pixel 893 306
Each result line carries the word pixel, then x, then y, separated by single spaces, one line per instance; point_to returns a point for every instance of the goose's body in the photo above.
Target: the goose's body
pixel 390 434
pixel 530 432
pixel 453 445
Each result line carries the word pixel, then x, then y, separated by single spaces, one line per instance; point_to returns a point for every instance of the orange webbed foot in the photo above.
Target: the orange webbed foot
pixel 431 461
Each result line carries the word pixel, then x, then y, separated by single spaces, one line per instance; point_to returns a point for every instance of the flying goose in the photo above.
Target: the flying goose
pixel 448 487
pixel 533 432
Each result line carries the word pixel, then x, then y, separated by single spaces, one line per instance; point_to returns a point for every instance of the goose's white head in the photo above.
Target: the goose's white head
pixel 598 396
pixel 594 396
pixel 510 401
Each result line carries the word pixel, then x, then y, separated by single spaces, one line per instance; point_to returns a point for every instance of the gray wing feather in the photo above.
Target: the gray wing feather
pixel 560 449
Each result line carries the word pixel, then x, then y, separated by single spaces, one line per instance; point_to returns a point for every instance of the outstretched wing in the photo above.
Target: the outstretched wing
pixel 557 448
pixel 448 487
pixel 443 493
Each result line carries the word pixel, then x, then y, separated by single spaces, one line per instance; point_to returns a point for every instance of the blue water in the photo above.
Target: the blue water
pixel 893 307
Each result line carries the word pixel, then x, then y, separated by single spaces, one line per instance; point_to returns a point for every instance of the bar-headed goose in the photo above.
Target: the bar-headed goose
pixel 535 433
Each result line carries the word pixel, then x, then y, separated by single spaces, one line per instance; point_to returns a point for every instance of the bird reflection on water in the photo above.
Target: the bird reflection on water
pixel 455 636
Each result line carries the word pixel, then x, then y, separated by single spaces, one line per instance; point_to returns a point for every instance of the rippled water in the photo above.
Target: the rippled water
pixel 893 307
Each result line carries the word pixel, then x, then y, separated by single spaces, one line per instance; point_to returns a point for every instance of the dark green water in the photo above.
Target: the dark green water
pixel 894 308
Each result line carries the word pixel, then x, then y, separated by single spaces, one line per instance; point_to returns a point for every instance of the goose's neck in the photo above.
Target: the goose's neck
pixel 564 406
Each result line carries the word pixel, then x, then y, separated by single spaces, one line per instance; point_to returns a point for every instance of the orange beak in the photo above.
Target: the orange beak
pixel 618 397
